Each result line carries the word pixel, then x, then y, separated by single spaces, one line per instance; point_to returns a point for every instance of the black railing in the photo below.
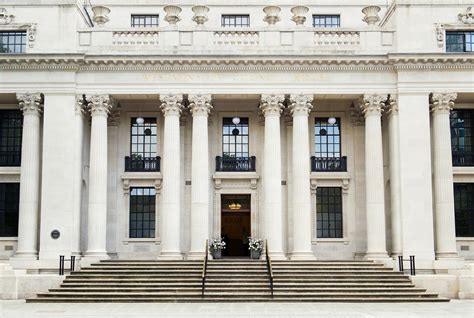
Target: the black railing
pixel 412 264
pixel 463 159
pixel 235 164
pixel 10 159
pixel 142 164
pixel 328 164
pixel 204 267
pixel 269 267
pixel 61 264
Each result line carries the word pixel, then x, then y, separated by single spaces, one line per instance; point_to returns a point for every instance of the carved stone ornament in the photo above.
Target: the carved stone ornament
pixel 442 102
pixel 371 15
pixel 299 14
pixel 114 117
pixel 272 104
pixel 99 104
pixel 357 117
pixel 200 104
pixel 391 105
pixel 31 32
pixel 301 104
pixel 5 18
pixel 440 34
pixel 468 17
pixel 30 103
pixel 271 14
pixel 80 108
pixel 373 104
pixel 200 14
pixel 172 14
pixel 100 15
pixel 171 104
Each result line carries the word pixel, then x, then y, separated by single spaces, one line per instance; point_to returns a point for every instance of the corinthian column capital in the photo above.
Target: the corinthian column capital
pixel 272 104
pixel 171 104
pixel 99 104
pixel 200 104
pixel 79 106
pixel 30 103
pixel 301 104
pixel 391 106
pixel 442 103
pixel 373 104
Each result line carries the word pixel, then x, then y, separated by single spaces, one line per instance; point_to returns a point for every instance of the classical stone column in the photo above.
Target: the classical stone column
pixel 171 193
pixel 200 106
pixel 272 106
pixel 374 181
pixel 300 108
pixel 31 106
pixel 394 153
pixel 445 229
pixel 99 107
pixel 78 165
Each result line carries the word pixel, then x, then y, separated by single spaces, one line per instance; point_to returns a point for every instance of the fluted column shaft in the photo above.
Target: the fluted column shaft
pixel 31 106
pixel 200 106
pixel 99 107
pixel 394 153
pixel 171 193
pixel 374 182
pixel 271 106
pixel 300 109
pixel 445 228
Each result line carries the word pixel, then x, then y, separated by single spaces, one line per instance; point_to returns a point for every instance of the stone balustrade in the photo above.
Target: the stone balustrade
pixel 124 38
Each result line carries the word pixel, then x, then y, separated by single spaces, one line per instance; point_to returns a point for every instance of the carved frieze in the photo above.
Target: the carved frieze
pixel 5 17
pixel 467 17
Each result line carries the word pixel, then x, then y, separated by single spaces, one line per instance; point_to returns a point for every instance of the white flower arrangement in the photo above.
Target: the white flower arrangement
pixel 217 244
pixel 255 244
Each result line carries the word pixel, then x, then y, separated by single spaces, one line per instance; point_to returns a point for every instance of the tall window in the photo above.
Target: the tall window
pixel 235 138
pixel 11 125
pixel 326 21
pixel 232 20
pixel 464 209
pixel 143 139
pixel 328 212
pixel 9 201
pixel 12 41
pixel 462 137
pixel 144 20
pixel 142 212
pixel 459 41
pixel 327 138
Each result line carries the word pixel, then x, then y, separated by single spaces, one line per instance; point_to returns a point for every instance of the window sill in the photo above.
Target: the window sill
pixel 141 240
pixel 9 238
pixel 465 239
pixel 330 240
pixel 10 170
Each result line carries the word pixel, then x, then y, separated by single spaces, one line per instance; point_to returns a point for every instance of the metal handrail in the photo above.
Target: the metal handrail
pixel 412 264
pixel 204 266
pixel 269 267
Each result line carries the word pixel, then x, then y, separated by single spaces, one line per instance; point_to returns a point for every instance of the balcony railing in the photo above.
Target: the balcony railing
pixel 10 159
pixel 328 164
pixel 235 164
pixel 142 164
pixel 463 159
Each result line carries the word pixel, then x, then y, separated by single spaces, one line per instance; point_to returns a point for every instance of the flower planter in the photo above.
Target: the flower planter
pixel 255 254
pixel 217 254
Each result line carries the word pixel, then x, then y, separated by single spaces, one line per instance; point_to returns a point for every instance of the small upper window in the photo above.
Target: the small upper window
pixel 326 21
pixel 144 20
pixel 242 20
pixel 13 42
pixel 460 41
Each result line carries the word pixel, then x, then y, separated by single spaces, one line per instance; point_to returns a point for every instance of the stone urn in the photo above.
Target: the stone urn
pixel 200 14
pixel 371 15
pixel 172 14
pixel 271 14
pixel 255 254
pixel 216 254
pixel 100 15
pixel 299 14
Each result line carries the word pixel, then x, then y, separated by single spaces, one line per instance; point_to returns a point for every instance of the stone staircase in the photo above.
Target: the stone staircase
pixel 236 281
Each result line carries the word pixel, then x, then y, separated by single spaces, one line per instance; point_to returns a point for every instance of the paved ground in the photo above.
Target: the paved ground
pixel 10 309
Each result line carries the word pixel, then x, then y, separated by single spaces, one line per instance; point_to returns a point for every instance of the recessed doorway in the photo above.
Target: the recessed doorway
pixel 235 224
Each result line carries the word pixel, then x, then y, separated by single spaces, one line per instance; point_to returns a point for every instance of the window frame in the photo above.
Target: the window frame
pixel 326 24
pixel 144 24
pixel 338 233
pixel 315 138
pixel 144 154
pixel 231 126
pixel 235 17
pixel 464 133
pixel 8 34
pixel 151 214
pixel 467 209
pixel 465 44
pixel 7 196
pixel 11 128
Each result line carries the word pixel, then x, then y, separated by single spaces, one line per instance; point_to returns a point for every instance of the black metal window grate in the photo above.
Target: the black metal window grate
pixel 329 212
pixel 326 21
pixel 460 41
pixel 462 137
pixel 142 212
pixel 11 127
pixel 241 20
pixel 145 20
pixel 13 42
pixel 9 206
pixel 464 209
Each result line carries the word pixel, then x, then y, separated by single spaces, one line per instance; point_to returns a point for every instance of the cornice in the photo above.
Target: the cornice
pixel 84 63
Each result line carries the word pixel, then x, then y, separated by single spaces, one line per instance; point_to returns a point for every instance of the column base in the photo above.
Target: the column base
pixel 395 255
pixel 277 256
pixel 173 256
pixel 26 255
pixel 195 256
pixel 302 256
pixel 381 257
pixel 449 255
